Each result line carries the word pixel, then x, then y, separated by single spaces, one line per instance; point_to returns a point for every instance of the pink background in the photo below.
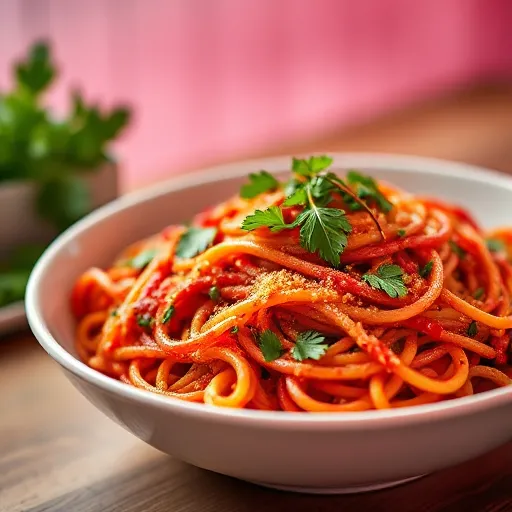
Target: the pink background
pixel 216 79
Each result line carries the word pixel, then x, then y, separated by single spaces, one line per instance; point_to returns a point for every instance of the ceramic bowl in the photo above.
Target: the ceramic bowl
pixel 324 452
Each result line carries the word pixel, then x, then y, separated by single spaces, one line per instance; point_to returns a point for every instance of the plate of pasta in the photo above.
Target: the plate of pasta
pixel 343 321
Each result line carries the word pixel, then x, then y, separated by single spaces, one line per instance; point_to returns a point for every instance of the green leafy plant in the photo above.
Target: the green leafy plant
pixel 53 153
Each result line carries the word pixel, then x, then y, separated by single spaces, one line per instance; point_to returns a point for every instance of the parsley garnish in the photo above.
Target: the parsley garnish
pixel 472 329
pixel 366 188
pixel 271 218
pixel 425 271
pixel 309 345
pixel 308 168
pixel 479 293
pixel 145 321
pixel 324 230
pixel 214 293
pixel 142 259
pixel 113 312
pixel 169 312
pixel 259 182
pixel 270 346
pixel 234 330
pixel 389 279
pixel 495 245
pixel 195 241
pixel 401 233
pixel 457 249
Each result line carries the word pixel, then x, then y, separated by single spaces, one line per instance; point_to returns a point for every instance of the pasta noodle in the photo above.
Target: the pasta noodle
pixel 417 309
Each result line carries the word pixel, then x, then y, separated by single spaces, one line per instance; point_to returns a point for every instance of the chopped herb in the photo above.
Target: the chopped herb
pixel 472 329
pixel 214 293
pixel 366 188
pixel 389 279
pixel 309 345
pixel 401 233
pixel 298 196
pixel 479 293
pixel 145 321
pixel 324 230
pixel 113 312
pixel 142 259
pixel 425 271
pixel 234 330
pixel 195 241
pixel 259 182
pixel 271 218
pixel 169 312
pixel 308 168
pixel 457 249
pixel 495 245
pixel 270 346
pixel 291 186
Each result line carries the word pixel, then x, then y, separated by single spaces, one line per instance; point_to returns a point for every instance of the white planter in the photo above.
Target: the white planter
pixel 21 223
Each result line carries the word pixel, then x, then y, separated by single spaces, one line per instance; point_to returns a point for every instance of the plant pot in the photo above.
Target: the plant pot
pixel 22 225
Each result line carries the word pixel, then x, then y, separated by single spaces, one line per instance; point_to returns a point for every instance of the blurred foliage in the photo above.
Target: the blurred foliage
pixel 54 154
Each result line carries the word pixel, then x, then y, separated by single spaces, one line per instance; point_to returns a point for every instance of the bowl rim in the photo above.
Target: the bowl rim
pixel 255 418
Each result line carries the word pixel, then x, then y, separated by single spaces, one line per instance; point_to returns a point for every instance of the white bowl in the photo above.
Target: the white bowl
pixel 324 452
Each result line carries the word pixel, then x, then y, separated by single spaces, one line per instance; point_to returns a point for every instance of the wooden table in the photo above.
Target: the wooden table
pixel 58 453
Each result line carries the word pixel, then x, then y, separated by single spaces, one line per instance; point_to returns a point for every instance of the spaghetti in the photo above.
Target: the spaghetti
pixel 326 294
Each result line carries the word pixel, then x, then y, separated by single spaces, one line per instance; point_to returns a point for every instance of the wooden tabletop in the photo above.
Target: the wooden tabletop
pixel 58 453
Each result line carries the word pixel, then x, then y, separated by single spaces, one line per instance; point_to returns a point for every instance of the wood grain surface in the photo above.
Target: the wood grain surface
pixel 58 453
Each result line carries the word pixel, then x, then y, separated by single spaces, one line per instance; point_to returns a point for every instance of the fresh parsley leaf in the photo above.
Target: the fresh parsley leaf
pixel 472 329
pixel 142 259
pixel 425 271
pixel 324 230
pixel 259 182
pixel 389 279
pixel 308 168
pixel 299 196
pixel 168 313
pixel 309 345
pixel 366 188
pixel 401 233
pixel 270 346
pixel 214 293
pixel 291 186
pixel 195 241
pixel 321 189
pixel 457 249
pixel 145 321
pixel 234 330
pixel 271 218
pixel 495 245
pixel 479 293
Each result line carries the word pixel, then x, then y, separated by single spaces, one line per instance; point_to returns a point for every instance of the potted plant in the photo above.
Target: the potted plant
pixel 53 171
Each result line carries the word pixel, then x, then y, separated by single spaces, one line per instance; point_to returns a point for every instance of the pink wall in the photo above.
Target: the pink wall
pixel 216 78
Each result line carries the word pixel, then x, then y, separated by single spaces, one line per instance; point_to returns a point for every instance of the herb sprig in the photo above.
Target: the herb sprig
pixel 389 279
pixel 323 228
